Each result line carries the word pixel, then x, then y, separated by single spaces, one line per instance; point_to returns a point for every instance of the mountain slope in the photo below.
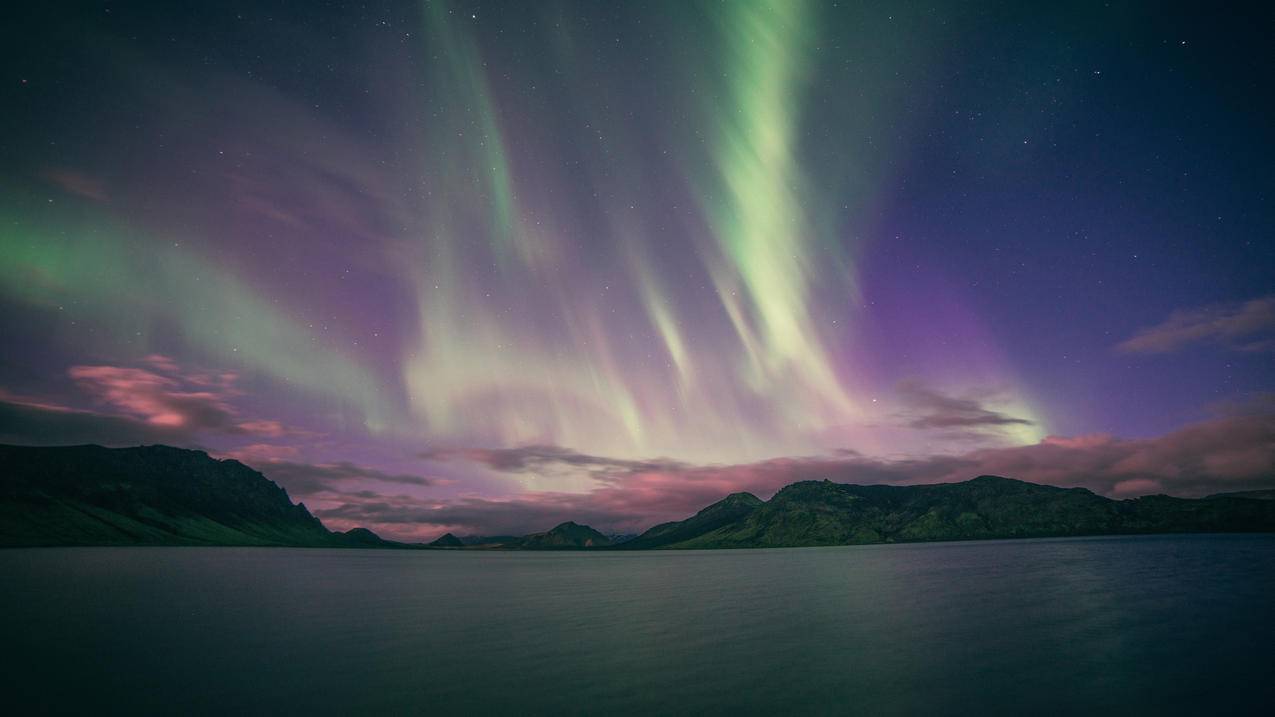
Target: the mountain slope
pixel 823 513
pixel 447 541
pixel 565 535
pixel 151 495
pixel 364 538
pixel 731 509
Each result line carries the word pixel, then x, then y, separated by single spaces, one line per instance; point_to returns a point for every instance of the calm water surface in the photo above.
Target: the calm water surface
pixel 1147 625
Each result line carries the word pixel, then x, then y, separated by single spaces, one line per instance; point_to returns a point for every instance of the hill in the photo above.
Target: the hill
pixel 731 509
pixel 364 538
pixel 447 541
pixel 565 536
pixel 150 495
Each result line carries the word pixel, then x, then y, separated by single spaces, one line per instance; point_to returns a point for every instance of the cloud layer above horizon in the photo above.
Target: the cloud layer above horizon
pixel 1226 453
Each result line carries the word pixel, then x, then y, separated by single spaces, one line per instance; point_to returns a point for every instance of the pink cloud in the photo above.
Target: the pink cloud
pixel 9 397
pixel 271 429
pixel 155 398
pixel 1091 440
pixel 164 395
pixel 78 183
pixel 261 453
pixel 1135 487
pixel 161 363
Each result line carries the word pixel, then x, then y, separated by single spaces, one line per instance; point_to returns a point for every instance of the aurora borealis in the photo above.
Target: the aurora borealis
pixel 482 266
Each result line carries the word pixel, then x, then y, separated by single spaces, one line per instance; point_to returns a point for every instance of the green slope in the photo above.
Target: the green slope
pixel 729 510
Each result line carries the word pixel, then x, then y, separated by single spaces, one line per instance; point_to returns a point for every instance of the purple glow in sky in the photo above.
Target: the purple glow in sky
pixel 482 267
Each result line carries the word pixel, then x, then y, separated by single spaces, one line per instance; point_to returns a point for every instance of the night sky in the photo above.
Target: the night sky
pixel 483 267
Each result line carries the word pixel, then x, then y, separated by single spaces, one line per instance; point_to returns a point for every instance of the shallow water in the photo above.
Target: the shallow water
pixel 1147 625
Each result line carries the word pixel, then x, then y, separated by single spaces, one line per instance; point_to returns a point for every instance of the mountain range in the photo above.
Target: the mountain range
pixel 158 495
pixel 812 513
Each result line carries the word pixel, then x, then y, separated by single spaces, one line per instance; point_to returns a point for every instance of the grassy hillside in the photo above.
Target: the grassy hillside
pixel 152 495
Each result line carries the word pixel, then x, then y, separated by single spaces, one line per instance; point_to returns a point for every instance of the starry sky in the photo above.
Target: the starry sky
pixel 483 267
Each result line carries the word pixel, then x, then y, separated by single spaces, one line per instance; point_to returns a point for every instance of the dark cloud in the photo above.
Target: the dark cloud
pixel 310 478
pixel 930 408
pixel 547 458
pixel 1247 326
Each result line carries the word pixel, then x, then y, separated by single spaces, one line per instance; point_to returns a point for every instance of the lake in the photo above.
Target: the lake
pixel 1144 625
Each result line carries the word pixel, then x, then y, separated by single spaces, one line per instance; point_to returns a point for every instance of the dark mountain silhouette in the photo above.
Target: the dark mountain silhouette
pixel 151 495
pixel 824 513
pixel 565 535
pixel 447 541
pixel 364 538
